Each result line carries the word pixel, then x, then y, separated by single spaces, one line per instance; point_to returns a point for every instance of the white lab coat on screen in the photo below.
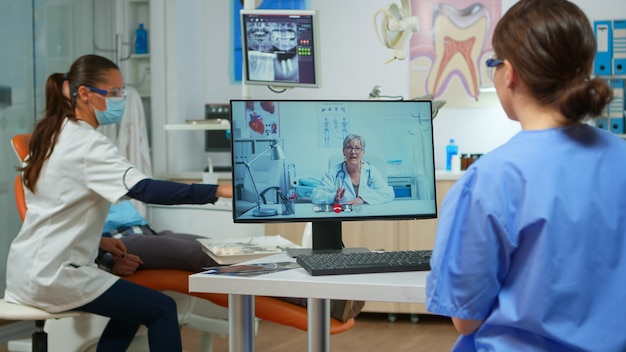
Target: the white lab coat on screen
pixel 51 262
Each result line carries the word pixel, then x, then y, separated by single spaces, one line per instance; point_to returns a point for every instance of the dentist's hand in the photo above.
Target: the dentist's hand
pixel 114 246
pixel 127 265
pixel 356 201
pixel 339 194
pixel 224 191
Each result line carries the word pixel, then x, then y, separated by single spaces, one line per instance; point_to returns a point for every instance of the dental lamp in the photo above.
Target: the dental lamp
pixel 276 153
pixel 437 104
pixel 394 26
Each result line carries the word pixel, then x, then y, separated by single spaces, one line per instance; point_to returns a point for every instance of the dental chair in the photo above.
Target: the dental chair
pixel 85 328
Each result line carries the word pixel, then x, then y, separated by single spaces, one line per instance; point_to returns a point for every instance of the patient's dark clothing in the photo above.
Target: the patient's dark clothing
pixel 170 250
pixel 160 250
pixel 164 250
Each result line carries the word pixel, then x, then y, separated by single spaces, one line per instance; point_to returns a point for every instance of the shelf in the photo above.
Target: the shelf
pixel 223 125
pixel 612 76
pixel 140 56
pixel 196 176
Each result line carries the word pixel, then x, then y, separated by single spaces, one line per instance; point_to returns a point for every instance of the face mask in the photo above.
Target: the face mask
pixel 113 113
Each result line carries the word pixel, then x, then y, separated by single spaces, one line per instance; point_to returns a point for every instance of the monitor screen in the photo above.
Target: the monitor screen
pixel 281 48
pixel 331 161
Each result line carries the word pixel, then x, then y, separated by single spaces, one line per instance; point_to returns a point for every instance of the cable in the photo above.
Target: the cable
pixel 392 97
pixel 276 91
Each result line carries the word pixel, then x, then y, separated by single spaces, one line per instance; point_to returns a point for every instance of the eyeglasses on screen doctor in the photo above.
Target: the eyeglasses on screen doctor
pixel 353 149
pixel 113 93
pixel 491 64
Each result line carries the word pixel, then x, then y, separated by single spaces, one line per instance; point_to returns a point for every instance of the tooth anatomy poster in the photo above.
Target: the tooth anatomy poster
pixel 448 53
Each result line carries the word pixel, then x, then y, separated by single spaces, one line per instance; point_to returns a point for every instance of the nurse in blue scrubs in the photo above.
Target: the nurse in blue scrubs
pixel 530 246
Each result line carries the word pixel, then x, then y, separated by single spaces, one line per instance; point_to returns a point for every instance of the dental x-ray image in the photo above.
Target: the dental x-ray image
pixel 280 48
pixel 272 51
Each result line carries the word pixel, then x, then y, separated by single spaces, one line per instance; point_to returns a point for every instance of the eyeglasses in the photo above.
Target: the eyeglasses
pixel 353 149
pixel 491 64
pixel 114 93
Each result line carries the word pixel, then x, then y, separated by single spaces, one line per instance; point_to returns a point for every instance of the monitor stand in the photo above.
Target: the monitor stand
pixel 326 239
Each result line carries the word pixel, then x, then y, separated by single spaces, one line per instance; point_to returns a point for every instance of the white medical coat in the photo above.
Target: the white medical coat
pixel 373 188
pixel 51 261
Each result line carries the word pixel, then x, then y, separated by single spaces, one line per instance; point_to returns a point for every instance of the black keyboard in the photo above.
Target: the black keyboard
pixel 365 262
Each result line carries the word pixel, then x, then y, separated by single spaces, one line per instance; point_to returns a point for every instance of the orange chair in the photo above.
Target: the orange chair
pixel 21 144
pixel 266 308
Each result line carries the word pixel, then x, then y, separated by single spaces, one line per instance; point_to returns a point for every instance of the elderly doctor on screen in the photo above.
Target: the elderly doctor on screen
pixel 353 181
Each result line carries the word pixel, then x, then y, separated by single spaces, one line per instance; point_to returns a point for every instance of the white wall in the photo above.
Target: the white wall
pixel 352 64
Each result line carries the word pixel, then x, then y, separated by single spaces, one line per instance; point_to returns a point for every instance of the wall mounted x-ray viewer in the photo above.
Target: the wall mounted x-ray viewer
pixel 281 48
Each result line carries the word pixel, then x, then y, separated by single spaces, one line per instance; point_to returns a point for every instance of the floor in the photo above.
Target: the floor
pixel 372 332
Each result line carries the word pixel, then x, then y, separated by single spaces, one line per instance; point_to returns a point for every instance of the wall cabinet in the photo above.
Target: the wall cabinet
pixel 612 118
pixel 135 67
pixel 385 235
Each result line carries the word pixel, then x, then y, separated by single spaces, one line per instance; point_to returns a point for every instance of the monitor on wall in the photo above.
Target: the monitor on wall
pixel 291 156
pixel 281 48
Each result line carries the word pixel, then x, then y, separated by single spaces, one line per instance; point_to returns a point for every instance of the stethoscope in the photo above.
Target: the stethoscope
pixel 342 172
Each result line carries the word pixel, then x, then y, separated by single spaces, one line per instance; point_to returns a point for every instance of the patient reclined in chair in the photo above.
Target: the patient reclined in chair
pixel 148 249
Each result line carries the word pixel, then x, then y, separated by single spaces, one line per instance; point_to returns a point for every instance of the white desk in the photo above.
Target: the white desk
pixel 391 287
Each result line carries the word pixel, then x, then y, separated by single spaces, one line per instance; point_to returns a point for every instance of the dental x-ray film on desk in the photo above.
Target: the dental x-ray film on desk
pixel 331 161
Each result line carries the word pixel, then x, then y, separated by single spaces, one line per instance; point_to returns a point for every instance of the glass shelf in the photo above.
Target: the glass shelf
pixel 139 56
pixel 201 125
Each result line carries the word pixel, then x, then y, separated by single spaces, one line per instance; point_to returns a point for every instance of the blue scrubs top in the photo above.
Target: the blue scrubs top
pixel 532 240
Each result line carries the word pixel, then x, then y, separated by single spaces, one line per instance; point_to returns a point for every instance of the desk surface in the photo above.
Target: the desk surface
pixel 390 287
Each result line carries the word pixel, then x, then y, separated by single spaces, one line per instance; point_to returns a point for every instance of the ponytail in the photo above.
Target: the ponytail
pixel 46 131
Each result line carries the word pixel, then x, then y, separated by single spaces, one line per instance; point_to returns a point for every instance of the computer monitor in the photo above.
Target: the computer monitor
pixel 289 159
pixel 281 48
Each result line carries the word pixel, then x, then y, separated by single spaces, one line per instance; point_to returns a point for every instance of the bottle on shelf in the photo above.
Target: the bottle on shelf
pixel 141 40
pixel 451 150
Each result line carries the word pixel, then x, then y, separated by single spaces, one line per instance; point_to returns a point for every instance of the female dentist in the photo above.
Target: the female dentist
pixel 71 176
pixel 353 181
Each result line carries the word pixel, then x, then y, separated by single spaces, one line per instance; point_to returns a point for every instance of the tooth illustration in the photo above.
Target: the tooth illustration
pixel 459 36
